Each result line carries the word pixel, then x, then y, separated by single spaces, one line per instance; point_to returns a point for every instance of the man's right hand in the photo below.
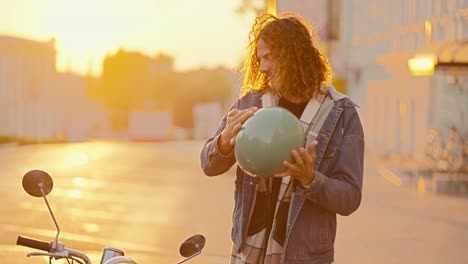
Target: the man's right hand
pixel 234 122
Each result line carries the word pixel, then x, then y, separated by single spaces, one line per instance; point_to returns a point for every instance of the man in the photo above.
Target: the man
pixel 291 217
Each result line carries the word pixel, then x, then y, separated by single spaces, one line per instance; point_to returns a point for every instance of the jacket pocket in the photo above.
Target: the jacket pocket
pixel 313 233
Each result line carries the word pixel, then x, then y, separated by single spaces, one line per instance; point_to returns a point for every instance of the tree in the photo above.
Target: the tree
pixel 197 87
pixel 132 80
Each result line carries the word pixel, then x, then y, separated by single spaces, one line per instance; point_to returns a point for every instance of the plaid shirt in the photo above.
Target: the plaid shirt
pixel 256 245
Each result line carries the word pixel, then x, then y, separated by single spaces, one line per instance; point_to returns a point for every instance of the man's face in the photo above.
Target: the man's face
pixel 267 65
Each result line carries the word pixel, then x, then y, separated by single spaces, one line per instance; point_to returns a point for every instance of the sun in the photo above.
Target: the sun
pixel 197 34
pixel 84 31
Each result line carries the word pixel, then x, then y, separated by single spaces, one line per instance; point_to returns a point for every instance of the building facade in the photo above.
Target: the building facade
pixel 373 43
pixel 390 41
pixel 81 117
pixel 27 88
pixel 38 104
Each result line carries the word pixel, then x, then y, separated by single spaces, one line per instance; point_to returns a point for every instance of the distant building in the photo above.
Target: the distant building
pixel 399 107
pixel 206 119
pixel 161 65
pixel 136 89
pixel 80 117
pixel 28 91
pixel 235 79
pixel 207 115
pixel 370 44
pixel 149 126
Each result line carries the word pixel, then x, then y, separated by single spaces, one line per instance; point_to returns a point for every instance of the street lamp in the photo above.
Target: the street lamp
pixel 422 65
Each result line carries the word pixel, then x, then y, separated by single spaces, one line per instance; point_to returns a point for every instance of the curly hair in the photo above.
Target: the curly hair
pixel 301 69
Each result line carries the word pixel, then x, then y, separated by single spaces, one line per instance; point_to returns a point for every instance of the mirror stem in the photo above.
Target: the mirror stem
pixel 52 214
pixel 191 257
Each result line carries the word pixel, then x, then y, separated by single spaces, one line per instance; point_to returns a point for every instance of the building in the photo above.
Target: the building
pixel 80 117
pixel 28 91
pixel 400 104
pixel 37 104
pixel 135 88
pixel 371 45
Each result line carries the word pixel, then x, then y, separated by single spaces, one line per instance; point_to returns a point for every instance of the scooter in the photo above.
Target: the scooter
pixel 38 183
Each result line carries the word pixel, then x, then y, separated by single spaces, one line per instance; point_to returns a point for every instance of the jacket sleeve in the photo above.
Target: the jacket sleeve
pixel 213 162
pixel 341 190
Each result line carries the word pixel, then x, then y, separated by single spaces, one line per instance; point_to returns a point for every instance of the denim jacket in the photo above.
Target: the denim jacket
pixel 337 188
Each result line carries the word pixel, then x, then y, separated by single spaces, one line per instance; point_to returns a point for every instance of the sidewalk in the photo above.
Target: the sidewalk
pixel 394 160
pixel 406 172
pixel 401 225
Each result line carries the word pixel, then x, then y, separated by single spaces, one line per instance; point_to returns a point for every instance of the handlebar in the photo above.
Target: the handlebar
pixel 60 252
pixel 33 243
pixel 38 183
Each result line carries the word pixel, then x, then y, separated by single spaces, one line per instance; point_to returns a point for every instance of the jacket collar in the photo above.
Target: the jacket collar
pixel 269 100
pixel 335 95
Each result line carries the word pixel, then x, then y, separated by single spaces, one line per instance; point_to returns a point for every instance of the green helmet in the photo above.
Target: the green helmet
pixel 266 140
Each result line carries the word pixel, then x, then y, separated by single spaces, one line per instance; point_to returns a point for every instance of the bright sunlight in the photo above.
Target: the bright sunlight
pixel 197 33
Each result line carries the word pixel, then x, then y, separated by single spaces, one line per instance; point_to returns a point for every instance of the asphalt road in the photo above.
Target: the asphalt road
pixel 146 198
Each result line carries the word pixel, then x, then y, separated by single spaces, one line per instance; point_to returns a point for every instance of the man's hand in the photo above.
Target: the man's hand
pixel 303 168
pixel 234 122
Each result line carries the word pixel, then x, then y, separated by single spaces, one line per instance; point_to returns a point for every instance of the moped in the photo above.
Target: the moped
pixel 39 183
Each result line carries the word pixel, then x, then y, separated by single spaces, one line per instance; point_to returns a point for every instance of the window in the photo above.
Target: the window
pixel 412 11
pixel 465 27
pixel 435 8
pixel 419 11
pixel 460 4
pixel 334 16
pixel 444 7
pixel 417 40
pixel 440 32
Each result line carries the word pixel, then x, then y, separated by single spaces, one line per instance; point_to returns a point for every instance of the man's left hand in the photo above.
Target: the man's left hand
pixel 303 169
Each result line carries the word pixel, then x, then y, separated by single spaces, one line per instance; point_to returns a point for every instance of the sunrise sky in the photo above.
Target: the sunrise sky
pixel 197 33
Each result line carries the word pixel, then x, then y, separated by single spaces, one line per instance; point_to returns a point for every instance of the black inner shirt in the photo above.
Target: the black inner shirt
pixel 265 202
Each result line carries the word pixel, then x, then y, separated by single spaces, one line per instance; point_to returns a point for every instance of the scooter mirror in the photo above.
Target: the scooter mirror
pixel 192 246
pixel 37 183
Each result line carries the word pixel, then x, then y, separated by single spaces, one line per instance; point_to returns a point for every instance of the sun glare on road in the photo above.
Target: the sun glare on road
pixel 81 154
pixel 79 182
pixel 74 194
pixel 91 227
pixel 80 159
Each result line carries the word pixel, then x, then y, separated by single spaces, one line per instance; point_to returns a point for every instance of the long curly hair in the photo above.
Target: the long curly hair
pixel 301 69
